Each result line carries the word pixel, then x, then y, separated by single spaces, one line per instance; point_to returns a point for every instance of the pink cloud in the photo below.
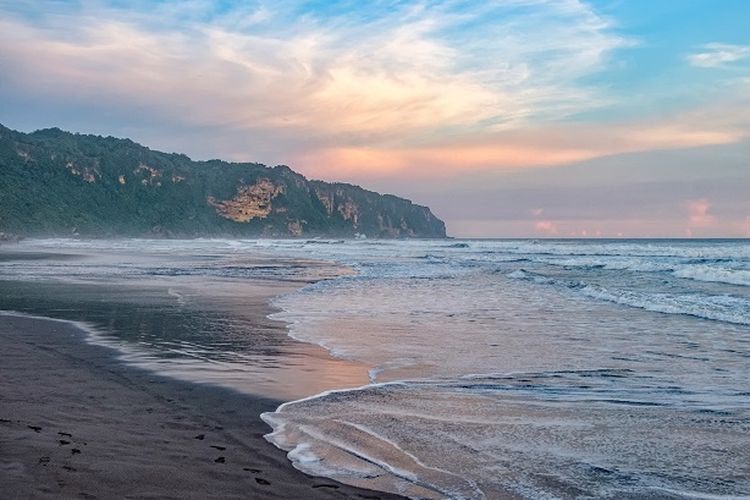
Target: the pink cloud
pixel 580 228
pixel 356 104
pixel 545 226
pixel 698 213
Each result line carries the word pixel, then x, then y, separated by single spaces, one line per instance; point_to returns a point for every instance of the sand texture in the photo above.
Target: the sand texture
pixel 77 423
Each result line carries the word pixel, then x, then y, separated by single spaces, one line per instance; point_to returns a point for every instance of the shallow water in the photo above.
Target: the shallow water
pixel 541 369
pixel 183 309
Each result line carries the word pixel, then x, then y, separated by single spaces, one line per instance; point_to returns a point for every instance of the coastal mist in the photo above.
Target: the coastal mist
pixel 460 368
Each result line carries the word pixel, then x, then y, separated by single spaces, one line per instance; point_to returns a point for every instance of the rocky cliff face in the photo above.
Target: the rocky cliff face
pixel 250 202
pixel 55 182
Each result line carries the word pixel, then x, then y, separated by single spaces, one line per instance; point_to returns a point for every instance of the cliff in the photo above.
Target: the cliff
pixel 58 183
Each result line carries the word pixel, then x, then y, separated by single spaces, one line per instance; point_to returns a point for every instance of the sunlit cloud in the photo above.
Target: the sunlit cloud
pixel 616 228
pixel 395 78
pixel 651 193
pixel 546 227
pixel 541 146
pixel 426 90
pixel 431 100
pixel 698 213
pixel 716 55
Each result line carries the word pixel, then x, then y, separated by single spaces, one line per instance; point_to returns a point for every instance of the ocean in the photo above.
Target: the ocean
pixel 452 368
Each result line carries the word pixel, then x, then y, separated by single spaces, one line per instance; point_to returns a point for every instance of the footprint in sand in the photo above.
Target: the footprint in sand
pixel 220 448
pixel 34 428
pixel 66 434
pixel 220 460
pixel 250 469
pixel 332 486
pixel 63 442
pixel 262 481
pixel 75 451
pixel 200 436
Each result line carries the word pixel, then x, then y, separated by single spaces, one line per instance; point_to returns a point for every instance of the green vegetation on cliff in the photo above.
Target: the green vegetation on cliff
pixel 58 183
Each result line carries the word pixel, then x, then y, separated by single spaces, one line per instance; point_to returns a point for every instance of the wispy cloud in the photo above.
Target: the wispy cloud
pixel 717 55
pixel 445 102
pixel 542 145
pixel 385 75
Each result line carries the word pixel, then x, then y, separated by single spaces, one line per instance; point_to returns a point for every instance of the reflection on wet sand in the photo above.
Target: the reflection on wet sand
pixel 203 330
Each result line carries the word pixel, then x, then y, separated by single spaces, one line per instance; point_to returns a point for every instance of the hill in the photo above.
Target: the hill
pixel 54 182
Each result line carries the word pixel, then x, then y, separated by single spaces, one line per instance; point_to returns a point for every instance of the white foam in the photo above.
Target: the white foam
pixel 465 443
pixel 699 495
pixel 714 274
pixel 722 308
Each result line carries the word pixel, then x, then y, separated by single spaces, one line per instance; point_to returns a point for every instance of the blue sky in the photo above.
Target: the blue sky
pixel 491 103
pixel 666 32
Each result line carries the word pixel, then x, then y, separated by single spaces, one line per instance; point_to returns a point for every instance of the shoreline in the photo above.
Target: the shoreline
pixel 79 423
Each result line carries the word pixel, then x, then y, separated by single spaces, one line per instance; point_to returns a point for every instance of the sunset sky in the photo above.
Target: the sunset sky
pixel 508 118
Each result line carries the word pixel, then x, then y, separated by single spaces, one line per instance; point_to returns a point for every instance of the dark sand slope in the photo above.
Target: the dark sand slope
pixel 77 423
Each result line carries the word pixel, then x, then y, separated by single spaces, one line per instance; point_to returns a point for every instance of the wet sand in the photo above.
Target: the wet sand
pixel 77 423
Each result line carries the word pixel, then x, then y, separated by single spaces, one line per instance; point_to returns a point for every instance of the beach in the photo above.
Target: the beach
pixel 77 423
pixel 467 369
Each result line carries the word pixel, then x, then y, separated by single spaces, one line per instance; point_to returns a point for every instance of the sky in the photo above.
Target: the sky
pixel 509 118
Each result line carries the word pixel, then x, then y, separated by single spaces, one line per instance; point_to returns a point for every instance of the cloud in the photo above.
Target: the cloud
pixel 440 89
pixel 336 79
pixel 543 145
pixel 465 106
pixel 546 227
pixel 698 213
pixel 717 55
pixel 636 194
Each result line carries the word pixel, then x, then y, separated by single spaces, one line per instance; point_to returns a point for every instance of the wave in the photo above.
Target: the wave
pixel 727 308
pixel 488 436
pixel 720 308
pixel 706 270
pixel 324 242
pixel 522 274
pixel 354 453
pixel 714 274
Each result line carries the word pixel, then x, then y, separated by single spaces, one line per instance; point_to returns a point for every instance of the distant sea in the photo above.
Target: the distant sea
pixel 460 368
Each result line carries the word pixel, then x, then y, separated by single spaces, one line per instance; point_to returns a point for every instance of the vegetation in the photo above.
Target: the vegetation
pixel 58 183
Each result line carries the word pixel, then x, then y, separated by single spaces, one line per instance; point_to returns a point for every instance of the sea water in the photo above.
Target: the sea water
pixel 538 369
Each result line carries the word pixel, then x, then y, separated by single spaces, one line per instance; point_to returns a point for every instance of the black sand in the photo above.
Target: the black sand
pixel 77 423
